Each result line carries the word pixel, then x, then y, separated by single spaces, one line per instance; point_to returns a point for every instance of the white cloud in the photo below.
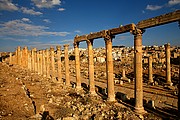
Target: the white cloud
pixel 47 20
pixel 77 31
pixel 153 7
pixel 174 2
pixel 7 5
pixel 46 3
pixel 20 28
pixel 26 19
pixel 61 9
pixel 30 11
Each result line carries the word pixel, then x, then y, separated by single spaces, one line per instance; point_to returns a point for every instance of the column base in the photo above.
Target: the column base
pixel 111 99
pixel 93 93
pixel 78 88
pixel 125 79
pixel 140 110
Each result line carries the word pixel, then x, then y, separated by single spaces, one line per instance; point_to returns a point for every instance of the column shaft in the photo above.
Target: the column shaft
pixel 109 68
pixel 168 64
pixel 138 71
pixel 77 63
pixel 59 64
pixel 66 64
pixel 52 65
pixel 43 63
pixel 150 74
pixel 10 58
pixel 35 60
pixel 19 55
pixel 32 56
pixel 47 64
pixel 91 67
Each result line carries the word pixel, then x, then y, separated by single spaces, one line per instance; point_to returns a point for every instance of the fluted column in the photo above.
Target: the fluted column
pixel 138 71
pixel 91 67
pixel 66 64
pixel 47 64
pixel 77 63
pixel 26 57
pixel 109 67
pixel 59 64
pixel 150 74
pixel 52 65
pixel 168 64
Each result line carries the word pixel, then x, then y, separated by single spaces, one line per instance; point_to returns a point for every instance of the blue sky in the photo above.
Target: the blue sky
pixel 45 23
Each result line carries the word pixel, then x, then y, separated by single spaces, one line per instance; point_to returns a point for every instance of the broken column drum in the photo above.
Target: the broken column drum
pixel 138 71
pixel 59 64
pixel 91 67
pixel 66 64
pixel 77 64
pixel 109 67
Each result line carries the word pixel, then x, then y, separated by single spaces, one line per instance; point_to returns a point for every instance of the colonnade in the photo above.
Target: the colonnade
pixel 42 62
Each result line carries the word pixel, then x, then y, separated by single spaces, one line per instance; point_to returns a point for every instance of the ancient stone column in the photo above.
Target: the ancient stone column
pixel 47 64
pixel 32 60
pixel 124 78
pixel 40 62
pixel 59 64
pixel 138 71
pixel 19 55
pixel 91 67
pixel 168 65
pixel 77 63
pixel 179 91
pixel 26 57
pixel 43 63
pixel 66 64
pixel 16 57
pixel 109 67
pixel 150 74
pixel 35 60
pixel 52 65
pixel 10 58
pixel 29 60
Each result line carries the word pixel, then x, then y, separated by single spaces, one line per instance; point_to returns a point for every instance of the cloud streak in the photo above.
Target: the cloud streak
pixel 46 3
pixel 7 5
pixel 30 11
pixel 24 28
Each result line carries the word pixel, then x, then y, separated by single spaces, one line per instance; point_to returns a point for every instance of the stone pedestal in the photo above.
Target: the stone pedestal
pixel 138 71
pixel 47 64
pixel 59 64
pixel 77 63
pixel 150 74
pixel 66 64
pixel 91 67
pixel 52 65
pixel 124 78
pixel 168 65
pixel 109 68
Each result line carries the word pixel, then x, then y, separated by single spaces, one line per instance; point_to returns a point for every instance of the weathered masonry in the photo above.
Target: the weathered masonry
pixel 108 35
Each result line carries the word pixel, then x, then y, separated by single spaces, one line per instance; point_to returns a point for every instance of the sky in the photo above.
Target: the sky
pixel 45 23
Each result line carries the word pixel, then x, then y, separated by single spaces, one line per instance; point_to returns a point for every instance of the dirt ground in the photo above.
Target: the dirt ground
pixel 27 96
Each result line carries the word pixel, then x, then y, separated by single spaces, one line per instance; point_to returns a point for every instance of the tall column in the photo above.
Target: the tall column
pixel 66 64
pixel 35 60
pixel 91 67
pixel 40 62
pixel 19 55
pixel 10 58
pixel 138 71
pixel 109 67
pixel 52 65
pixel 43 63
pixel 16 57
pixel 59 64
pixel 32 56
pixel 29 60
pixel 150 74
pixel 168 65
pixel 77 63
pixel 47 64
pixel 26 57
pixel 179 91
